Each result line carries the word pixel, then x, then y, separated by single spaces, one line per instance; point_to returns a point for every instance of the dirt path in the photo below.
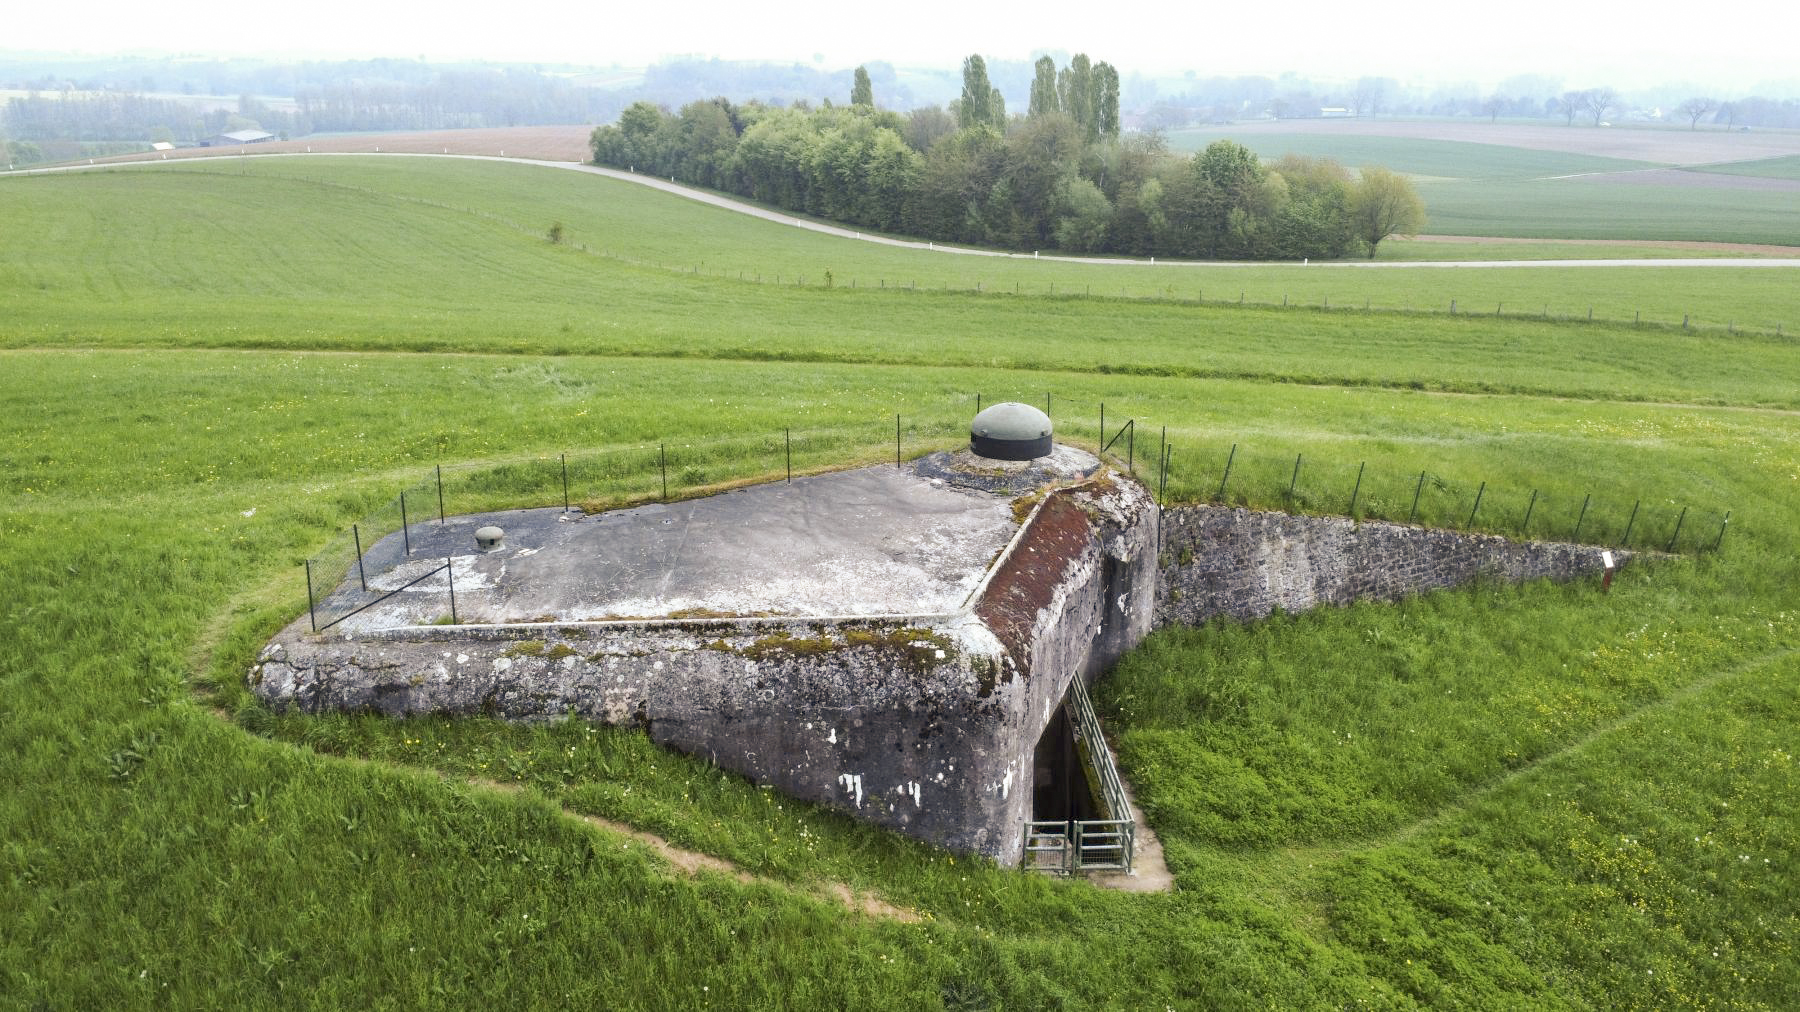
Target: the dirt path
pixel 693 862
pixel 1474 796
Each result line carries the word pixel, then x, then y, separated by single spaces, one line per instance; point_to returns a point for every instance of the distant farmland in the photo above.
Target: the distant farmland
pixel 1542 182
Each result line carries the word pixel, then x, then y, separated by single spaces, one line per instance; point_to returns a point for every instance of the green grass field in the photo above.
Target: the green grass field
pixel 1787 167
pixel 1439 159
pixel 1530 796
pixel 1585 209
pixel 1494 190
pixel 333 230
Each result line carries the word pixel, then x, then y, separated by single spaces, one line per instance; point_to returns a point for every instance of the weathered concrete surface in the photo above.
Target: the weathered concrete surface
pixel 889 722
pixel 924 724
pixel 1243 565
pixel 875 541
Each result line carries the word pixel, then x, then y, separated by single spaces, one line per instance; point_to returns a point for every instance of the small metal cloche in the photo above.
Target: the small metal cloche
pixel 1010 431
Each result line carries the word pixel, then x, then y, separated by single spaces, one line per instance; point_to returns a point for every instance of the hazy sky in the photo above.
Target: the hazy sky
pixel 1722 44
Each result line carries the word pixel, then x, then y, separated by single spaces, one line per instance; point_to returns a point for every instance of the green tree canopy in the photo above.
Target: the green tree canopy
pixel 1384 203
pixel 1075 88
pixel 976 105
pixel 1043 89
pixel 1106 101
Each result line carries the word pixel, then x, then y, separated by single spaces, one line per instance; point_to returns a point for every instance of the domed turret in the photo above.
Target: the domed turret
pixel 1010 431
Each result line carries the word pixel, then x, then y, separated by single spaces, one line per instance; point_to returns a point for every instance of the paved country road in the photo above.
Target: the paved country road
pixel 780 217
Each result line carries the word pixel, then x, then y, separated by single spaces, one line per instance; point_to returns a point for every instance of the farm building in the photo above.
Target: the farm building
pixel 238 137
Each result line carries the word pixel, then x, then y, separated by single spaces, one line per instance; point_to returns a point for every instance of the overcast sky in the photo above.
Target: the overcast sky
pixel 1724 45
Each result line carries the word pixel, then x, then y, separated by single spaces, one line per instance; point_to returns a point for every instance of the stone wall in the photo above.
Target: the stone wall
pixel 1243 565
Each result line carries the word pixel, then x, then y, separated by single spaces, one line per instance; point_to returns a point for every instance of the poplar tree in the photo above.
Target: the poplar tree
pixel 1076 85
pixel 862 92
pixel 977 95
pixel 1043 88
pixel 1106 101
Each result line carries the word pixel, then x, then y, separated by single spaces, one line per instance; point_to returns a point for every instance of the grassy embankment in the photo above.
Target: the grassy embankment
pixel 1532 795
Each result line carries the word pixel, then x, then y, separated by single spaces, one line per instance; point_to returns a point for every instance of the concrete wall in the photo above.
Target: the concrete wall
pixel 1242 564
pixel 1074 594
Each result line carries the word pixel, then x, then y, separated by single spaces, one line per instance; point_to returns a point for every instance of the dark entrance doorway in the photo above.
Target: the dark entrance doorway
pixel 1060 789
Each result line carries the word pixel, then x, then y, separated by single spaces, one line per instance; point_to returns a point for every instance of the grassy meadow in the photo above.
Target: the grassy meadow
pixel 1537 796
pixel 470 238
pixel 1785 167
pixel 1475 189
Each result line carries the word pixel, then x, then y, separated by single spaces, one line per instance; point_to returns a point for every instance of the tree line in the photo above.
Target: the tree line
pixel 1059 176
pixel 449 99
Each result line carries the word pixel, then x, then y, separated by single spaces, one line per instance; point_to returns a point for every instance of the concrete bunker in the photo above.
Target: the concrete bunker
pixel 911 644
pixel 891 641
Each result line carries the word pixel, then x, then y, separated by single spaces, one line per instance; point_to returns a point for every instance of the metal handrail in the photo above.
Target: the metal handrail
pixel 1108 844
pixel 1087 728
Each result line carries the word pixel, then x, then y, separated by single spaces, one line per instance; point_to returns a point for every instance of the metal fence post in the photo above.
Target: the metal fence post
pixel 787 436
pixel 1629 524
pixel 313 615
pixel 1358 489
pixel 450 578
pixel 565 477
pixel 896 441
pixel 1528 509
pixel 1478 494
pixel 1131 447
pixel 1416 493
pixel 405 528
pixel 1295 480
pixel 440 485
pixel 662 465
pixel 1677 534
pixel 1228 460
pixel 1721 538
pixel 1584 505
pixel 361 577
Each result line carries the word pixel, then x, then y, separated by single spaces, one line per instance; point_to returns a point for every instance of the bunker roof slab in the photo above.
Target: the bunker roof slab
pixel 870 542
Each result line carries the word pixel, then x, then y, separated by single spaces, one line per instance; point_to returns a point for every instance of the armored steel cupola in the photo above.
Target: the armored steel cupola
pixel 1010 431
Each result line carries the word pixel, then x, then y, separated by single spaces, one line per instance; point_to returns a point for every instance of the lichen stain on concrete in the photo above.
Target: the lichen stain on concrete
pixel 1028 580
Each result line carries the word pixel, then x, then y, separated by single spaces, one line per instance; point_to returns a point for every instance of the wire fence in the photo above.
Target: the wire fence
pixel 1311 299
pixel 1234 476
pixel 352 571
